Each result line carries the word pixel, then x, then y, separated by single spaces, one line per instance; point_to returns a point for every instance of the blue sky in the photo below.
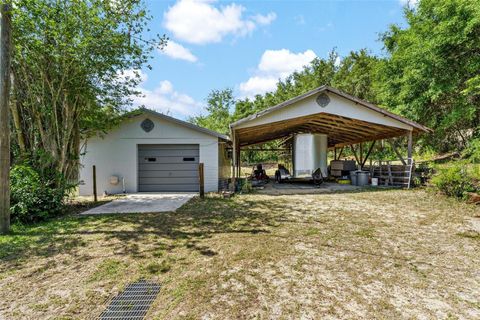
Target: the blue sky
pixel 248 45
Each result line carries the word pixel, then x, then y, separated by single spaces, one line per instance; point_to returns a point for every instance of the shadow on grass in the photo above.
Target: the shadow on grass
pixel 140 234
pixel 306 188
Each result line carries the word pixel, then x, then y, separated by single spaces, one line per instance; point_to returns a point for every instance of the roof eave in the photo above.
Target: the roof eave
pixel 339 93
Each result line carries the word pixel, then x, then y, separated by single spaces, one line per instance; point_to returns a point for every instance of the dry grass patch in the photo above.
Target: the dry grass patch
pixel 391 254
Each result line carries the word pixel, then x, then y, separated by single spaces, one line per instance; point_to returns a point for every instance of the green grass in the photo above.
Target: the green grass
pixel 253 256
pixel 108 269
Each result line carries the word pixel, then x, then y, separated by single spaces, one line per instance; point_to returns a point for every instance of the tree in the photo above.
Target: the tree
pixel 74 68
pixel 357 75
pixel 220 103
pixel 431 75
pixel 5 52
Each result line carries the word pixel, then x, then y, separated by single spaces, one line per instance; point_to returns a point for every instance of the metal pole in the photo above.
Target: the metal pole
pixel 202 180
pixel 94 169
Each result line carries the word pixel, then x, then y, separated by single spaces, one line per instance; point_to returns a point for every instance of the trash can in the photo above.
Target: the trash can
pixel 362 178
pixel 353 177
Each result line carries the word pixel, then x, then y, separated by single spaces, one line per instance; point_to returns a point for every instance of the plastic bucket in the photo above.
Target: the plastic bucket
pixel 362 178
pixel 353 177
pixel 374 181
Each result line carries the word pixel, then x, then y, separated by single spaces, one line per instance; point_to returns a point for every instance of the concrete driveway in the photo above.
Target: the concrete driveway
pixel 144 202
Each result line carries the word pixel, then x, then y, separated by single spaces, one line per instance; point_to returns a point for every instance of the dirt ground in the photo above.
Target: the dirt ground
pixel 391 254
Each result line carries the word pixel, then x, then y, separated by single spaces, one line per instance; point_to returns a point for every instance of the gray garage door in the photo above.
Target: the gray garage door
pixel 168 167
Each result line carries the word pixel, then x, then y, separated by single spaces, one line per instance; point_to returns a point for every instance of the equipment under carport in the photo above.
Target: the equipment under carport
pixel 340 168
pixel 359 178
pixel 258 176
pixel 309 160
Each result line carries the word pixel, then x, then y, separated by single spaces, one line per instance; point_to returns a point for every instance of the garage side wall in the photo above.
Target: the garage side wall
pixel 116 154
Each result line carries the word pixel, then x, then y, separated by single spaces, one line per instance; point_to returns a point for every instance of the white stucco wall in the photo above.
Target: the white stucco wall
pixel 116 153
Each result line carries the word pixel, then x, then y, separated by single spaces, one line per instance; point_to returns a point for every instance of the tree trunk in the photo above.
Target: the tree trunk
pixel 5 51
pixel 17 124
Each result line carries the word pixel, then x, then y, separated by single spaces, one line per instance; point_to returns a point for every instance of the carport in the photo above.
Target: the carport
pixel 345 119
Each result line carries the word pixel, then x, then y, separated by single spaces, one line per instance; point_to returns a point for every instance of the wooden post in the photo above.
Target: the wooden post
pixel 392 143
pixel 340 153
pixel 361 155
pixel 409 147
pixel 368 153
pixel 239 162
pixel 234 161
pixel 354 151
pixel 94 170
pixel 202 180
pixel 335 153
pixel 5 56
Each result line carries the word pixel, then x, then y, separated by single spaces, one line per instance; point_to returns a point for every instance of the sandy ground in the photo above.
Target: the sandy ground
pixel 393 254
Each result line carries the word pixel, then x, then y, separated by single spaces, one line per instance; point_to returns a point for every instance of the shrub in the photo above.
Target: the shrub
pixel 35 197
pixel 454 180
pixel 472 152
pixel 247 186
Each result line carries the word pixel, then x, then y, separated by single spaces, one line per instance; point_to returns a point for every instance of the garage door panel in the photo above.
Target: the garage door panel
pixel 168 168
pixel 167 173
pixel 168 146
pixel 169 159
pixel 169 188
pixel 169 153
pixel 167 181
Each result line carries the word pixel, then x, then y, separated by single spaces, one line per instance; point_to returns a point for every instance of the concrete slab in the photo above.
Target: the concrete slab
pixel 143 202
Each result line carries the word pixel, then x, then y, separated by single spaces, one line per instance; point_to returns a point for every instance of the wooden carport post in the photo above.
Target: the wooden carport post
pixel 410 147
pixel 238 161
pixel 234 159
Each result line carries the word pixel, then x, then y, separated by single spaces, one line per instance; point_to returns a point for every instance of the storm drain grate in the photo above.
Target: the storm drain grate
pixel 133 302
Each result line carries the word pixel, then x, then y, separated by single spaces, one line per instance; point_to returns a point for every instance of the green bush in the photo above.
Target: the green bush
pixel 455 180
pixel 35 197
pixel 247 186
pixel 472 152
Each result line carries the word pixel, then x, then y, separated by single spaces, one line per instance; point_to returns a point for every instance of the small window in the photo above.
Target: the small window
pixel 151 159
pixel 188 159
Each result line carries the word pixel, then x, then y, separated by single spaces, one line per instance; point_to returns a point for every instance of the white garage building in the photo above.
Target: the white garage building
pixel 152 152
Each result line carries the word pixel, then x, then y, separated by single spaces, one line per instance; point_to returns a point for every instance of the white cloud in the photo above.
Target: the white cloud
pixel 165 87
pixel 258 84
pixel 409 3
pixel 165 99
pixel 177 51
pixel 131 74
pixel 274 65
pixel 337 62
pixel 200 22
pixel 265 20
